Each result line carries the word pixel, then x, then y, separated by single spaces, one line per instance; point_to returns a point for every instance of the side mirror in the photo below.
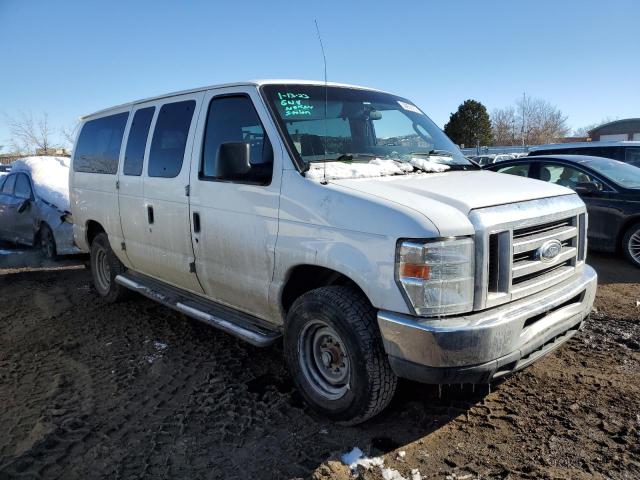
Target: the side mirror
pixel 233 160
pixel 586 188
pixel 24 205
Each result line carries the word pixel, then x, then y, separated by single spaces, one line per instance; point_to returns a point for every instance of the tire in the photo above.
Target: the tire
pixel 47 242
pixel 631 244
pixel 334 352
pixel 105 266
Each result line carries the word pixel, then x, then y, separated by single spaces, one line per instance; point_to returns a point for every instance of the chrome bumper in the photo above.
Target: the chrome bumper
pixel 486 345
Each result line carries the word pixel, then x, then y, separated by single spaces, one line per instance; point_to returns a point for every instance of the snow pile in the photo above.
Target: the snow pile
pixel 50 176
pixel 335 170
pixel 377 167
pixel 355 458
pixel 428 166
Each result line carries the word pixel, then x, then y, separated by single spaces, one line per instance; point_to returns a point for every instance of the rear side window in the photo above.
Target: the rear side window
pixel 170 139
pixel 632 156
pixel 99 143
pixel 522 169
pixel 7 188
pixel 137 142
pixel 23 187
pixel 234 119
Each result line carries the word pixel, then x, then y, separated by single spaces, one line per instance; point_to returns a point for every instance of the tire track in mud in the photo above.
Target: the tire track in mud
pixel 134 390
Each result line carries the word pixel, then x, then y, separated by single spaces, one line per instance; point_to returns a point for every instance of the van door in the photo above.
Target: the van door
pixel 169 253
pixel 235 218
pixel 131 188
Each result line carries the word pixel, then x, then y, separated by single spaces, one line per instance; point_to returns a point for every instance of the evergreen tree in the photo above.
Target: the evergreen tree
pixel 469 125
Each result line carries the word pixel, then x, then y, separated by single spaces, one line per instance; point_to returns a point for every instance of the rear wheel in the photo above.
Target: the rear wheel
pixel 105 267
pixel 47 242
pixel 335 354
pixel 631 244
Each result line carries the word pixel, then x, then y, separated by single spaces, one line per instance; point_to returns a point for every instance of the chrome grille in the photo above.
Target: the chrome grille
pixel 508 239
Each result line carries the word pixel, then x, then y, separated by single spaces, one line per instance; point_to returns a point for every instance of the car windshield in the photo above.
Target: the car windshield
pixel 621 173
pixel 353 126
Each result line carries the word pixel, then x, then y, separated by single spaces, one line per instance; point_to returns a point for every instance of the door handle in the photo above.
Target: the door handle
pixel 150 213
pixel 196 222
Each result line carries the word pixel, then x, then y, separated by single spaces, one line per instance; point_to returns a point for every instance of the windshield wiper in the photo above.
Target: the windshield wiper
pixel 441 153
pixel 345 157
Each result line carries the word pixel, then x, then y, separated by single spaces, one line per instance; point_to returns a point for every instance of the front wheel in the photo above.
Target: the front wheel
pixel 335 354
pixel 105 267
pixel 631 244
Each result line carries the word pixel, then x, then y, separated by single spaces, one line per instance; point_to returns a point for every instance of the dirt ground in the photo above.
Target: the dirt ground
pixel 135 390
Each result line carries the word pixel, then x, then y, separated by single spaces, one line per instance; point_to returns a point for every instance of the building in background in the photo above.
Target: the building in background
pixel 620 130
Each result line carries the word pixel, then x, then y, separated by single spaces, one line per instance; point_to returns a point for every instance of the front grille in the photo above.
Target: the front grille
pixel 527 267
pixel 509 264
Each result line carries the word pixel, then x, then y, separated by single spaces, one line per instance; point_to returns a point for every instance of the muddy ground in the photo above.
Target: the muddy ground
pixel 135 390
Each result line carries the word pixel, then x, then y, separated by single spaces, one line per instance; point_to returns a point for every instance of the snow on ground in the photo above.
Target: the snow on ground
pixel 50 177
pixel 375 168
pixel 356 458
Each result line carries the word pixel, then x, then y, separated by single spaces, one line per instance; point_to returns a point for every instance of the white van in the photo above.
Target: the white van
pixel 339 218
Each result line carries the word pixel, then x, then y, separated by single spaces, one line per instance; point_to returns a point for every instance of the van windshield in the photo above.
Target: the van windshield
pixel 356 126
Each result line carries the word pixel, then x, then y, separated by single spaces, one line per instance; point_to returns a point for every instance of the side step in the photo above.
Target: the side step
pixel 246 327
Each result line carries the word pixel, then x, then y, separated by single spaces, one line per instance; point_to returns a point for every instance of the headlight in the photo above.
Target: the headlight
pixel 437 277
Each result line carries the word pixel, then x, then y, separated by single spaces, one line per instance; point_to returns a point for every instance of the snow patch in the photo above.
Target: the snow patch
pixel 356 458
pixel 160 347
pixel 335 170
pixel 50 176
pixel 391 474
pixel 428 165
pixel 377 167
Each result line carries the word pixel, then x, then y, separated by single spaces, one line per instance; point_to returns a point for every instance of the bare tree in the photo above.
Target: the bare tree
pixel 541 122
pixel 531 121
pixel 30 134
pixel 584 131
pixel 69 134
pixel 503 123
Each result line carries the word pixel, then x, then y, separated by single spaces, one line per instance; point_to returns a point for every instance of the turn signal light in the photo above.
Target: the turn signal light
pixel 414 271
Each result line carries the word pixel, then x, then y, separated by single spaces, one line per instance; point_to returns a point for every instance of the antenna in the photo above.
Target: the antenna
pixel 326 94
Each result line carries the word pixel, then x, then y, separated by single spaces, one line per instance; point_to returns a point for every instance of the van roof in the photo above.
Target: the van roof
pixel 255 83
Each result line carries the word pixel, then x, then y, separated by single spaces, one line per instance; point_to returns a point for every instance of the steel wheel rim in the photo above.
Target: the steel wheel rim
pixel 103 270
pixel 324 360
pixel 634 246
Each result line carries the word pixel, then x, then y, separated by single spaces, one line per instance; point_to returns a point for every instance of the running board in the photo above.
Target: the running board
pixel 240 325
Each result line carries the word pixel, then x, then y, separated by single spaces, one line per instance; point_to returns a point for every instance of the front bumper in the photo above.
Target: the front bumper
pixel 484 346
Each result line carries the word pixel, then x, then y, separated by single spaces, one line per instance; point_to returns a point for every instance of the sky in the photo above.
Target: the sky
pixel 73 57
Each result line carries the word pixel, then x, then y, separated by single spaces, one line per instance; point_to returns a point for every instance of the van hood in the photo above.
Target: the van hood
pixel 443 196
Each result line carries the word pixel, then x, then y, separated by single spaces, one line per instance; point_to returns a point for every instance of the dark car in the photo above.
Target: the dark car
pixel 628 152
pixel 5 168
pixel 609 188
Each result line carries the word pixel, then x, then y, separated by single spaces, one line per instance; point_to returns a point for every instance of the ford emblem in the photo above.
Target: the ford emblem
pixel 549 250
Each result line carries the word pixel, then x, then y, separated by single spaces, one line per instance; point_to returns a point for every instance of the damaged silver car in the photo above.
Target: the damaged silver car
pixel 28 218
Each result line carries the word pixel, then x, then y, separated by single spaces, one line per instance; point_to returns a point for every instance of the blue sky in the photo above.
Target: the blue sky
pixel 69 58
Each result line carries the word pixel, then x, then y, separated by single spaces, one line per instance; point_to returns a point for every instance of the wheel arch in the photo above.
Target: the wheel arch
pixel 303 278
pixel 628 223
pixel 92 229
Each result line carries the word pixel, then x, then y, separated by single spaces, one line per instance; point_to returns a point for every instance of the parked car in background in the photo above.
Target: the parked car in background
pixel 483 159
pixel 237 206
pixel 503 157
pixel 4 169
pixel 628 152
pixel 34 205
pixel 609 188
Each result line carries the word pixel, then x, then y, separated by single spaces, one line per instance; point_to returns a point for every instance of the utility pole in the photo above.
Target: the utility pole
pixel 524 97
